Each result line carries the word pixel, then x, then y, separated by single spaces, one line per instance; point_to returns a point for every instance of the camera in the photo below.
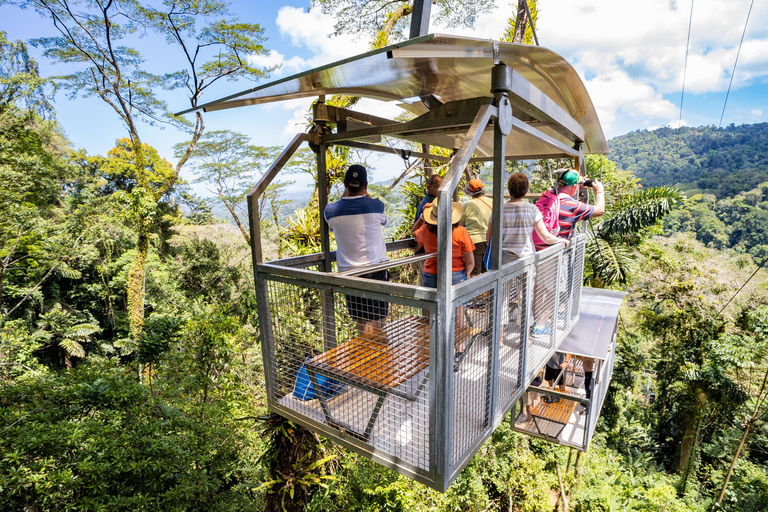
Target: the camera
pixel 587 183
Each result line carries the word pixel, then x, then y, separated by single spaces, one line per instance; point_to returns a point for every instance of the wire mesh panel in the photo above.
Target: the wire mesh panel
pixel 562 319
pixel 578 276
pixel 472 368
pixel 513 325
pixel 295 314
pixel 361 368
pixel 541 333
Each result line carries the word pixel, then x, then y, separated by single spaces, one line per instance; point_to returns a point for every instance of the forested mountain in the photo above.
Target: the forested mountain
pixel 721 162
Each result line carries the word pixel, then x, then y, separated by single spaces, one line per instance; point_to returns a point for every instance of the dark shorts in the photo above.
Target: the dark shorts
pixel 551 374
pixel 479 253
pixel 368 309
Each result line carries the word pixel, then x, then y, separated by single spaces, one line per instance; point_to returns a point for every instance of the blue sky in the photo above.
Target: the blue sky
pixel 630 54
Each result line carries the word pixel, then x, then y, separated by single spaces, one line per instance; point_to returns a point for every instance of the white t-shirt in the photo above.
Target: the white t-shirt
pixel 517 228
pixel 356 222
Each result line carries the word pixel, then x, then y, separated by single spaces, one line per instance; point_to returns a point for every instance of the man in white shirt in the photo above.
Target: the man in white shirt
pixel 356 219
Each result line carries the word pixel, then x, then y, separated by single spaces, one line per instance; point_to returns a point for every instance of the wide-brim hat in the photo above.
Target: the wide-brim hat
pixel 430 212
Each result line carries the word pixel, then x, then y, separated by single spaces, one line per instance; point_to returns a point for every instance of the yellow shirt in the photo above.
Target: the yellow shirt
pixel 477 211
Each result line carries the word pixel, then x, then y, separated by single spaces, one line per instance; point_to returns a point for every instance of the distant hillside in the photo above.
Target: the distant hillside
pixel 725 163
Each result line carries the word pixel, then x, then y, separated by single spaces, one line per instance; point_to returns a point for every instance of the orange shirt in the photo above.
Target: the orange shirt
pixel 461 243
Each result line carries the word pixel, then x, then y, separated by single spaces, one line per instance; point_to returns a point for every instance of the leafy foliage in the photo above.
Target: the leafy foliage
pixel 369 17
pixel 703 159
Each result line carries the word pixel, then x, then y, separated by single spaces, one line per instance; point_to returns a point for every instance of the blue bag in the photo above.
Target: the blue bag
pixel 487 255
pixel 305 391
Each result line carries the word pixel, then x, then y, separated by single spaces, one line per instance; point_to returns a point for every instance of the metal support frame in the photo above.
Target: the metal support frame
pixel 313 371
pixel 510 90
pixel 420 18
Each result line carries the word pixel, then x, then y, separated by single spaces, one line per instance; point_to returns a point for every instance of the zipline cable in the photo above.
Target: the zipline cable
pixel 742 286
pixel 730 83
pixel 682 92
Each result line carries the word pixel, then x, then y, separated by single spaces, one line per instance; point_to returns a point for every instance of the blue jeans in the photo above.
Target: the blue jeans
pixel 430 280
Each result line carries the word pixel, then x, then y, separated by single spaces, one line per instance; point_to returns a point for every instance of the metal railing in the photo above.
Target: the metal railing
pixel 380 390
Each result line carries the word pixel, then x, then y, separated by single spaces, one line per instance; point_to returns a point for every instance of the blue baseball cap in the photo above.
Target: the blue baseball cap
pixel 356 176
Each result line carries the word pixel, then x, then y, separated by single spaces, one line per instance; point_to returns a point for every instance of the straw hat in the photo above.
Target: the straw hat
pixel 430 212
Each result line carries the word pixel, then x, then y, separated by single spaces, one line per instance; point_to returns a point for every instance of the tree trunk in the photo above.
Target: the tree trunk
pixel 136 283
pixel 521 21
pixel 231 208
pixel 687 444
pixel 688 448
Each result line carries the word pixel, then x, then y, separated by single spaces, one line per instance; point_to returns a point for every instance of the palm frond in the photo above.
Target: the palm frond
pixel 639 210
pixel 610 263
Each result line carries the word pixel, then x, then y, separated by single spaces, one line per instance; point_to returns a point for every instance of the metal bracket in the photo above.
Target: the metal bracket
pixel 505 115
pixel 406 156
pixel 496 58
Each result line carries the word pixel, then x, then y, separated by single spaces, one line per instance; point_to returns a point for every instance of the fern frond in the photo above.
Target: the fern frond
pixel 72 347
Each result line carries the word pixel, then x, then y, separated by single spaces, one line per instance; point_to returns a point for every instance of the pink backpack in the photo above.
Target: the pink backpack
pixel 549 206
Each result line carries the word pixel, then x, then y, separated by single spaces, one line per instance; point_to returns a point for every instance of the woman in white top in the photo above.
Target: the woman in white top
pixel 520 219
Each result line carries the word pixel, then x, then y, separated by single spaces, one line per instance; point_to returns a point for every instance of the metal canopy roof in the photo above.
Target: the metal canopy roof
pixel 593 333
pixel 451 68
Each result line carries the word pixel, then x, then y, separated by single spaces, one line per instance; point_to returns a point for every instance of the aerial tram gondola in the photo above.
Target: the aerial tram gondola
pixel 425 390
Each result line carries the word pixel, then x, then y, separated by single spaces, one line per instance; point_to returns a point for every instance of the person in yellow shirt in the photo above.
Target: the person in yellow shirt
pixel 477 212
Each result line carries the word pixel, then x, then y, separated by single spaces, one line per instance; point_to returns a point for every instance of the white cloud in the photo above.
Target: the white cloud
pixel 296 124
pixel 756 115
pixel 631 54
pixel 310 29
pixel 287 67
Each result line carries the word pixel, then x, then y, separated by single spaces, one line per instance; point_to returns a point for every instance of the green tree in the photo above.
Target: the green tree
pixel 230 164
pixel 212 45
pixel 20 81
pixel 370 17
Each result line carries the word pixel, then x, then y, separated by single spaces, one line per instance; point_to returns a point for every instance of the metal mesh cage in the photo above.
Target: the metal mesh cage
pixel 352 354
pixel 556 418
pixel 361 368
pixel 471 372
pixel 513 327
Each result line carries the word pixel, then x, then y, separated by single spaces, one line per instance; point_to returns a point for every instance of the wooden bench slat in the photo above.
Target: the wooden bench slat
pixel 383 359
pixel 559 412
pixel 387 357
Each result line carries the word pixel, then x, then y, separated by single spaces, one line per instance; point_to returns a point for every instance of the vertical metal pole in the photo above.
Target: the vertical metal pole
pixel 262 298
pixel 572 269
pixel 445 329
pixel 326 297
pixel 420 18
pixel 445 311
pixel 499 150
pixel 526 325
